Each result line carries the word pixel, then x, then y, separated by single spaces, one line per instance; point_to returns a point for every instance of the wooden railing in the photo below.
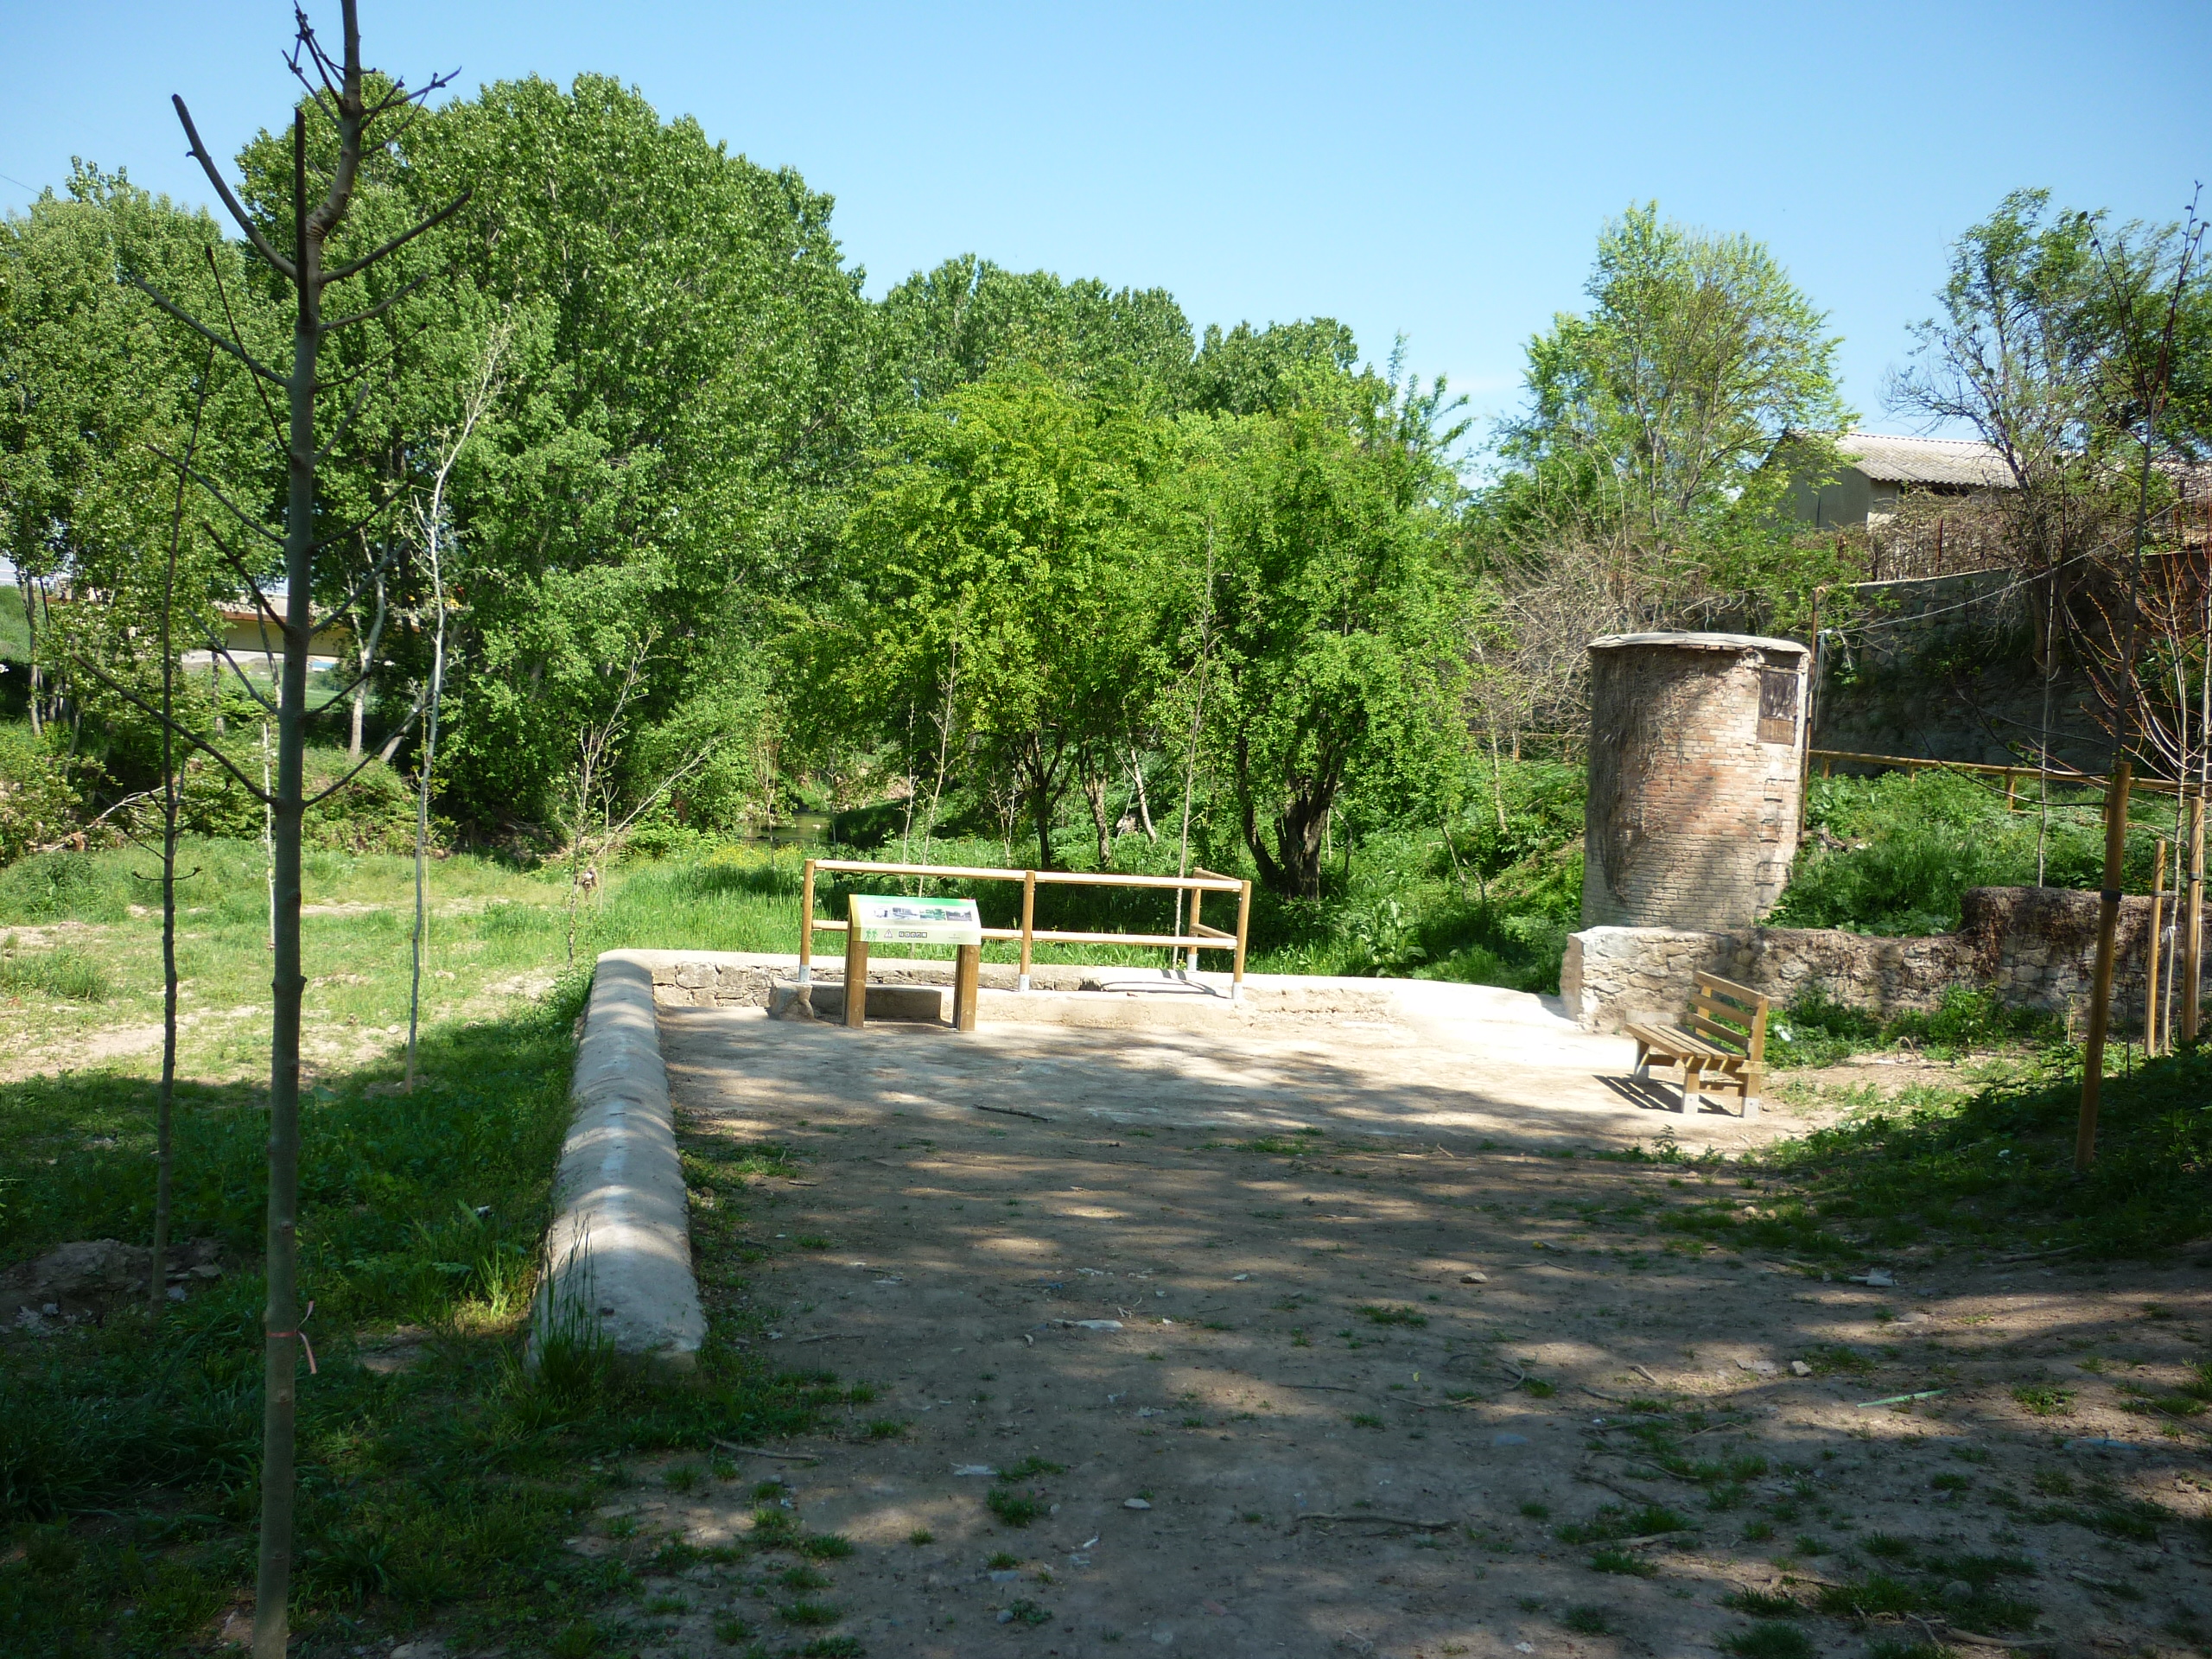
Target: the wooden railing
pixel 2013 776
pixel 1197 884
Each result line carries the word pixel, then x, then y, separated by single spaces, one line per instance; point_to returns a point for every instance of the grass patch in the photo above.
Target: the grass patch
pixel 1769 1641
pixel 1621 1561
pixel 59 970
pixel 1615 1521
pixel 444 1491
pixel 1013 1508
pixel 1996 1166
pixel 1379 1315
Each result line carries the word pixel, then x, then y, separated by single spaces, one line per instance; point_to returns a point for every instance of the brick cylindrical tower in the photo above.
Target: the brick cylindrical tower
pixel 1696 760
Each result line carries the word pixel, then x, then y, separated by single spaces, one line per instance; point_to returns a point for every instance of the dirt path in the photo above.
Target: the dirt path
pixel 1301 1431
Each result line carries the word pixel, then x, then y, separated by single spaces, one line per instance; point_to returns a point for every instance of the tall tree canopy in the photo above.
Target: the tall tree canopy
pixel 1657 411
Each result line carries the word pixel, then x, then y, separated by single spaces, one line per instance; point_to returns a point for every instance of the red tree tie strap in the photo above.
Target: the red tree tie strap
pixel 302 1336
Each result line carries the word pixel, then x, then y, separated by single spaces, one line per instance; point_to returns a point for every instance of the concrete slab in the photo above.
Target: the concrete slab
pixel 1415 1061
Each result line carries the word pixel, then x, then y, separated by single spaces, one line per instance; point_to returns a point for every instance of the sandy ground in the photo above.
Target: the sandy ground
pixel 1303 1432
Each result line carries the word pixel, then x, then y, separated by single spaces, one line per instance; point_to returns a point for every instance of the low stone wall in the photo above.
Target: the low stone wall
pixel 730 979
pixel 2034 946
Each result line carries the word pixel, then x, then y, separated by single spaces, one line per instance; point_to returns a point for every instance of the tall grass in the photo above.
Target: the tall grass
pixel 1898 852
pixel 129 1450
pixel 57 970
pixel 1998 1163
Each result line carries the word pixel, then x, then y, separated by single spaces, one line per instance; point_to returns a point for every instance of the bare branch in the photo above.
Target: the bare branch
pixel 252 584
pixel 201 329
pixel 198 153
pixel 345 420
pixel 214 490
pixel 216 648
pixel 128 800
pixel 399 241
pixel 380 307
pixel 358 525
pixel 223 292
pixel 174 727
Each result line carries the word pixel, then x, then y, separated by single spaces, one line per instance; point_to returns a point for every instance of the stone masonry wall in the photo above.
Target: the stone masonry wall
pixel 2033 946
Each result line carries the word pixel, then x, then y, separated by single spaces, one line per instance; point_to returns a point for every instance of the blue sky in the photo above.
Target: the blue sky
pixel 1438 171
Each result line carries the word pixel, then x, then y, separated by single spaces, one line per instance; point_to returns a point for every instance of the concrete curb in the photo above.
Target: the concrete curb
pixel 618 1253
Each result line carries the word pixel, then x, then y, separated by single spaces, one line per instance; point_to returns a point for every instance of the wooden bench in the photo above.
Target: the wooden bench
pixel 1723 1048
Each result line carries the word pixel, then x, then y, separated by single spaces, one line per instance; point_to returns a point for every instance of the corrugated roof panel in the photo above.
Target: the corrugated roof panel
pixel 1961 463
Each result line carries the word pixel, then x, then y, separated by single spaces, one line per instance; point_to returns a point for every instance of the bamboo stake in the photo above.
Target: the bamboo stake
pixel 806 926
pixel 2192 939
pixel 1243 935
pixel 2093 1061
pixel 2151 1031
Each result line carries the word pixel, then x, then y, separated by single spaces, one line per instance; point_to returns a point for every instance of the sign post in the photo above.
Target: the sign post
pixel 900 920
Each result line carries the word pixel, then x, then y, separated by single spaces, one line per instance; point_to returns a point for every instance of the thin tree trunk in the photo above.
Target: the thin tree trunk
pixel 27 586
pixel 422 797
pixel 1190 750
pixel 1094 791
pixel 478 398
pixel 1144 805
pixel 288 986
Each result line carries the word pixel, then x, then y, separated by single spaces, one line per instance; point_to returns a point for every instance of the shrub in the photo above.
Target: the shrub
pixel 37 805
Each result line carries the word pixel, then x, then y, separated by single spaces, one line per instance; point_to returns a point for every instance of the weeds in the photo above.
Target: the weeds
pixel 1769 1641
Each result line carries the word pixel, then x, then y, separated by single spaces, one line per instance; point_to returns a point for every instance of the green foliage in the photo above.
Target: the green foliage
pixel 37 805
pixel 1814 1030
pixel 1998 1163
pixel 1897 852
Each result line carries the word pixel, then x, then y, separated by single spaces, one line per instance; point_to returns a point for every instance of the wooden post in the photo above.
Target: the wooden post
pixel 967 972
pixel 806 925
pixel 2192 920
pixel 2151 1031
pixel 2092 1058
pixel 856 967
pixel 1243 934
pixel 2011 783
pixel 1191 952
pixel 1029 925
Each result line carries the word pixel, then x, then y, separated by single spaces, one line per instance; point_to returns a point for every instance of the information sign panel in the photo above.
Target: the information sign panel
pixel 916 921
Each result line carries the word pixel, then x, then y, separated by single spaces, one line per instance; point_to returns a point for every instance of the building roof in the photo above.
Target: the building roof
pixel 1961 463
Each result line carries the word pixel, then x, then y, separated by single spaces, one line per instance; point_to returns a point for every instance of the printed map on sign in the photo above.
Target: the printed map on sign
pixel 916 921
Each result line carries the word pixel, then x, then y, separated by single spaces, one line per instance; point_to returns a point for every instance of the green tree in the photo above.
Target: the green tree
pixel 1660 407
pixel 1003 560
pixel 686 396
pixel 954 325
pixel 93 381
pixel 1342 615
pixel 1266 371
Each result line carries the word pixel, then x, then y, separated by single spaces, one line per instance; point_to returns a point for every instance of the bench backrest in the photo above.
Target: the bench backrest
pixel 1731 1015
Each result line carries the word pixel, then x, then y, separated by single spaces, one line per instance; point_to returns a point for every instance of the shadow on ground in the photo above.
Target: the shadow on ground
pixel 1233 1350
